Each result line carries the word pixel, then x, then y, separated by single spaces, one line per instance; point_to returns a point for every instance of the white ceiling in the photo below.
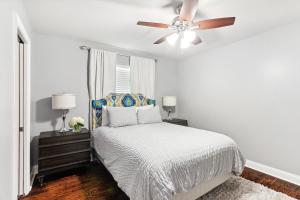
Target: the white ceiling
pixel 114 21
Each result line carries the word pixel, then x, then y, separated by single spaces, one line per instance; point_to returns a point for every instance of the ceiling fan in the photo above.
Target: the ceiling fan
pixel 184 26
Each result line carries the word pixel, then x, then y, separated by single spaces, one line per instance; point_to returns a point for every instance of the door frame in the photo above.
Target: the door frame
pixel 19 30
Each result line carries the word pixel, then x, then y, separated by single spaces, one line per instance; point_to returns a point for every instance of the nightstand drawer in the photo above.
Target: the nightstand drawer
pixel 61 149
pixel 45 164
pixel 65 139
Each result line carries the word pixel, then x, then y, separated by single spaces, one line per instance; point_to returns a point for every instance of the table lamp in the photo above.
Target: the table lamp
pixel 63 102
pixel 169 104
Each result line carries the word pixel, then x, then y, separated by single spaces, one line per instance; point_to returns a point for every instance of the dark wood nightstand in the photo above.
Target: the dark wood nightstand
pixel 63 151
pixel 182 122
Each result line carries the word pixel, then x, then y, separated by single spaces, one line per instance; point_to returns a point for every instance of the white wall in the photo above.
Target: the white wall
pixel 8 184
pixel 249 90
pixel 166 81
pixel 60 66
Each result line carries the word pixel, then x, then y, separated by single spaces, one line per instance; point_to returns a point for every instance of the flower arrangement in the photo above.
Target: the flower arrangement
pixel 76 123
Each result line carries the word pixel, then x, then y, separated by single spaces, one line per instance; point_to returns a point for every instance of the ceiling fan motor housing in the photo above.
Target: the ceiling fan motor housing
pixel 181 26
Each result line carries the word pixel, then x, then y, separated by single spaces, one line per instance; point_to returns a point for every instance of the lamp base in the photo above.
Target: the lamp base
pixel 63 130
pixel 169 115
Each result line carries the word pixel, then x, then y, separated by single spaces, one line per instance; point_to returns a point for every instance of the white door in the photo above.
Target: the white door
pixel 21 118
pixel 22 50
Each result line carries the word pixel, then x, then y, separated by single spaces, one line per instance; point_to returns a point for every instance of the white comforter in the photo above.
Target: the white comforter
pixel 156 161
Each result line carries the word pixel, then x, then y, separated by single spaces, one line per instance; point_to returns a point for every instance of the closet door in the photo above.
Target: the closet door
pixel 21 119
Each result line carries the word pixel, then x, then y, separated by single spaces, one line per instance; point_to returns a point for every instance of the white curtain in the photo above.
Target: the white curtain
pixel 102 73
pixel 101 77
pixel 142 76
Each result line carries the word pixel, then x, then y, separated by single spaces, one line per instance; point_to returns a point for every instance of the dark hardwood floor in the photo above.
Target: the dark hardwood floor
pixel 95 183
pixel 272 182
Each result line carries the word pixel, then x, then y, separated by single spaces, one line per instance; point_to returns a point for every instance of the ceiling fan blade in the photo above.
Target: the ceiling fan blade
pixel 153 24
pixel 215 23
pixel 161 40
pixel 188 10
pixel 197 40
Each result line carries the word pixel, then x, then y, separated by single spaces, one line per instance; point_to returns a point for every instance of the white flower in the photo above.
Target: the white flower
pixel 75 121
pixel 72 122
pixel 80 120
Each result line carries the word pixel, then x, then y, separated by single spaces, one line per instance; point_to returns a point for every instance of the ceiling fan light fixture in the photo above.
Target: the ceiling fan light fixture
pixel 172 39
pixel 189 35
pixel 184 25
pixel 184 43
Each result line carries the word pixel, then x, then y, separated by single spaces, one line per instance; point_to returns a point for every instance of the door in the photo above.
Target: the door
pixel 21 117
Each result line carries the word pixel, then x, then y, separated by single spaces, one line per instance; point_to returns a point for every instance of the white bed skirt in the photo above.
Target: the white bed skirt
pixel 202 189
pixel 194 193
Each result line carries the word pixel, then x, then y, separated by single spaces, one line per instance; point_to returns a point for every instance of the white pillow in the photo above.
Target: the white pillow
pixel 144 107
pixel 149 116
pixel 121 116
pixel 105 119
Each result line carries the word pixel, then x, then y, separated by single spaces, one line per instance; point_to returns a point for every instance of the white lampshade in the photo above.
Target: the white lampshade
pixel 63 101
pixel 169 101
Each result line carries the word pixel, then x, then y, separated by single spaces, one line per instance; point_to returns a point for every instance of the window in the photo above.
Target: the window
pixel 122 79
pixel 123 74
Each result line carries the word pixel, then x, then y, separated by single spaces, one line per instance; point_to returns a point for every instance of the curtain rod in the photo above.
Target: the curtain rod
pixel 89 48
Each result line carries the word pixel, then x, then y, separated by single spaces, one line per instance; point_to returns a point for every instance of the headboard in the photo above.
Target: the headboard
pixel 117 100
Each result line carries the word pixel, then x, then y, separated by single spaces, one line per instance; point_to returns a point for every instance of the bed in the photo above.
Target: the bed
pixel 163 161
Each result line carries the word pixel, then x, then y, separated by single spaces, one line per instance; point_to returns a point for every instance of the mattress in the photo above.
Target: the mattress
pixel 158 161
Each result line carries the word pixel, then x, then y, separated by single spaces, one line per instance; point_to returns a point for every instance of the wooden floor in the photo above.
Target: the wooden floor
pixel 272 182
pixel 95 183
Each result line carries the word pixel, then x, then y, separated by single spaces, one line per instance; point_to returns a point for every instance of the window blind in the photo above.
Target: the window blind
pixel 122 79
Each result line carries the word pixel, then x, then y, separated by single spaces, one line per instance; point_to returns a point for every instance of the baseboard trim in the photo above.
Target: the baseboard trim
pixel 292 178
pixel 34 172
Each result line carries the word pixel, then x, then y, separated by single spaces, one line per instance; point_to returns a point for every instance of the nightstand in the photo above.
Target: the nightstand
pixel 182 122
pixel 63 151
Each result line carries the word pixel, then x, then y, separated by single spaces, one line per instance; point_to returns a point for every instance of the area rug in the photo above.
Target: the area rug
pixel 238 188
